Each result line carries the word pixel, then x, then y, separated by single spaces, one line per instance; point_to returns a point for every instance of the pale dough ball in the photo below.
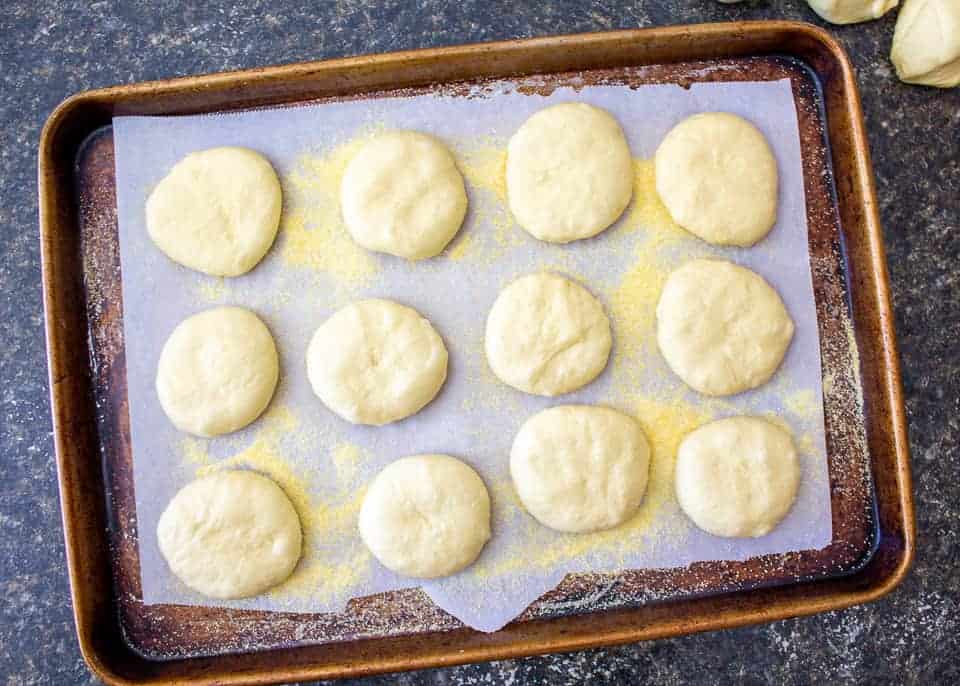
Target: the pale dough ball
pixel 737 476
pixel 217 211
pixel 547 335
pixel 717 177
pixel 569 172
pixel 851 11
pixel 926 44
pixel 217 371
pixel 402 194
pixel 579 468
pixel 721 327
pixel 232 534
pixel 376 362
pixel 426 516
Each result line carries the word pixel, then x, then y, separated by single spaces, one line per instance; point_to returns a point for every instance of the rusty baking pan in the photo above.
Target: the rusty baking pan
pixel 125 641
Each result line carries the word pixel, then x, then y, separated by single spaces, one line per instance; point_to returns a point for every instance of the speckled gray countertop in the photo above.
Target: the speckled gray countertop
pixel 50 49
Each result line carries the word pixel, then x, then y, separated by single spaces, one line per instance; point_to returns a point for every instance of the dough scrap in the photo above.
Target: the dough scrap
pixel 721 327
pixel 217 211
pixel 851 11
pixel 217 371
pixel 547 335
pixel 926 43
pixel 402 194
pixel 233 534
pixel 426 516
pixel 717 177
pixel 737 477
pixel 569 172
pixel 580 468
pixel 376 362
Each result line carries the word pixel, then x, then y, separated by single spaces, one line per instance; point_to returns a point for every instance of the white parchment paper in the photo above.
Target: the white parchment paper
pixel 326 462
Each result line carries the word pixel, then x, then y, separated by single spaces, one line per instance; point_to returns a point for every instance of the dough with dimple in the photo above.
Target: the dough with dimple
pixel 717 177
pixel 217 211
pixel 851 11
pixel 402 194
pixel 232 534
pixel 737 476
pixel 569 172
pixel 926 44
pixel 426 516
pixel 580 468
pixel 376 362
pixel 721 327
pixel 217 371
pixel 547 335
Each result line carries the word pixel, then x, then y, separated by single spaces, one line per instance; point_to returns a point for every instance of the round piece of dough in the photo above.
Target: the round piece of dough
pixel 232 534
pixel 217 371
pixel 569 172
pixel 217 211
pixel 851 11
pixel 426 516
pixel 547 335
pixel 926 44
pixel 721 327
pixel 579 468
pixel 402 194
pixel 376 362
pixel 737 476
pixel 717 177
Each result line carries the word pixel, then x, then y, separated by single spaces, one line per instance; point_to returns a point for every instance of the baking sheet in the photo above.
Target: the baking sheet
pixel 323 462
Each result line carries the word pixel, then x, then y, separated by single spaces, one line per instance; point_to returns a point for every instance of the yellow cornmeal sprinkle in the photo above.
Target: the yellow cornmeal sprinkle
pixel 211 289
pixel 463 245
pixel 805 447
pixel 647 212
pixel 312 233
pixel 633 302
pixel 665 422
pixel 346 461
pixel 854 358
pixel 801 403
pixel 492 392
pixel 828 382
pixel 633 309
pixel 484 168
pixel 194 452
pixel 331 579
pixel 323 523
pixel 319 574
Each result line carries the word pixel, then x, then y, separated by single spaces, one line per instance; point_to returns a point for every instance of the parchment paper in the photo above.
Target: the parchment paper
pixel 324 462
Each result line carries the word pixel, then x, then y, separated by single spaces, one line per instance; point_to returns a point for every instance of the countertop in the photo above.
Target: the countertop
pixel 50 49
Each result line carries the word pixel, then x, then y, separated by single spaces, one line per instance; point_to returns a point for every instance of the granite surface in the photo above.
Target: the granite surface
pixel 50 49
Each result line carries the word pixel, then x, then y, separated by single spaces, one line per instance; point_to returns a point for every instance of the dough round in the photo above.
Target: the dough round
pixel 217 211
pixel 376 362
pixel 737 476
pixel 926 44
pixel 579 468
pixel 717 176
pixel 721 327
pixel 402 194
pixel 232 534
pixel 547 335
pixel 569 172
pixel 217 371
pixel 851 11
pixel 426 516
